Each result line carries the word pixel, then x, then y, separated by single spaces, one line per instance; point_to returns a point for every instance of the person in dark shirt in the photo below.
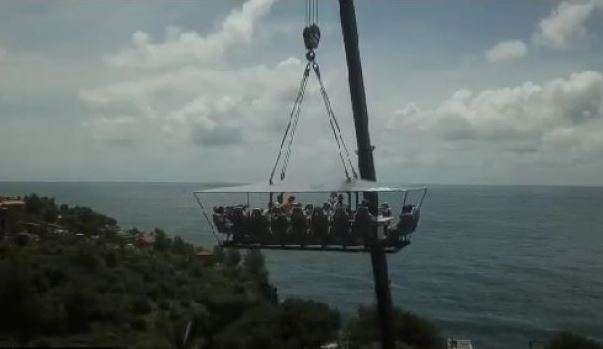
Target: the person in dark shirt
pixel 320 226
pixel 299 225
pixel 341 225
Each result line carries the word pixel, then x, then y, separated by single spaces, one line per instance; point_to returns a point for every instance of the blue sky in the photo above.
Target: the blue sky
pixel 493 92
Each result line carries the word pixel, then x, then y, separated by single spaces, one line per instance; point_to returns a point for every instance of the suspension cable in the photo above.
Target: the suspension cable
pixel 295 123
pixel 335 125
pixel 311 35
pixel 294 115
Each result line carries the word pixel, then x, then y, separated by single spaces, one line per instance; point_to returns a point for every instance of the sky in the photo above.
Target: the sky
pixel 458 92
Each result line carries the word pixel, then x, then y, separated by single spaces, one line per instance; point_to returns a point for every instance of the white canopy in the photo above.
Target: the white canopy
pixel 354 185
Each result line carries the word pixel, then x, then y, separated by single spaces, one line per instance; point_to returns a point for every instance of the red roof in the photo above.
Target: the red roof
pixel 11 202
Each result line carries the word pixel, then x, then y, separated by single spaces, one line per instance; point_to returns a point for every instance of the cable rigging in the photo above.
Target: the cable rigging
pixel 311 36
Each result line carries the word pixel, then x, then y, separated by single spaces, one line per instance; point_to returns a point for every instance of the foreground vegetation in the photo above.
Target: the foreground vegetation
pixel 80 281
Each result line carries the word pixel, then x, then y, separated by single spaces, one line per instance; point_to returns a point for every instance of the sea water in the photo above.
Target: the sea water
pixel 501 265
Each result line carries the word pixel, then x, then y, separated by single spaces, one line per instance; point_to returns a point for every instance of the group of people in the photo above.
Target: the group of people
pixel 288 222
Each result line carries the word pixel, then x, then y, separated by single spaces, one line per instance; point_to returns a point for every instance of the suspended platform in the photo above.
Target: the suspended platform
pixel 327 248
pixel 325 217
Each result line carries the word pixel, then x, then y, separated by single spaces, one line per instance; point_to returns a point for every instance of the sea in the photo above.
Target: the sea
pixel 500 265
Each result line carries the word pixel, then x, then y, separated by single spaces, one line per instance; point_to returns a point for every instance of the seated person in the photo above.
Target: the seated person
pixel 363 225
pixel 308 210
pixel 299 225
pixel 287 206
pixel 240 229
pixel 333 198
pixel 327 208
pixel 341 226
pixel 319 225
pixel 219 220
pixel 280 225
pixel 384 210
pixel 258 226
pixel 409 218
pixel 340 202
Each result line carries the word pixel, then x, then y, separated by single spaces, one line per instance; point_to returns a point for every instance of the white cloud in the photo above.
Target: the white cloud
pixel 169 97
pixel 567 23
pixel 193 103
pixel 560 120
pixel 191 48
pixel 506 50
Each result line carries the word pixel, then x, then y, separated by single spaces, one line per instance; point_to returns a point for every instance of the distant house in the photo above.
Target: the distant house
pixel 12 210
pixel 32 227
pixel 24 238
pixel 145 239
pixel 205 257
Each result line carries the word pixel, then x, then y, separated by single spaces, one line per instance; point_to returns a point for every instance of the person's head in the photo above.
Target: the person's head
pixel 333 194
pixel 291 199
pixel 340 198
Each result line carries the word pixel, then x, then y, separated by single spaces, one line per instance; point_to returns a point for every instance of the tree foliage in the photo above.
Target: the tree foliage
pixel 569 340
pixel 409 329
pixel 293 324
pixel 98 289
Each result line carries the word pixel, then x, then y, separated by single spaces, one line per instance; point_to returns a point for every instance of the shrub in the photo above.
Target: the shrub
pixel 162 241
pixel 111 259
pixel 292 324
pixel 219 254
pixel 309 323
pixel 139 324
pixel 254 265
pixel 232 258
pixel 569 340
pixel 80 305
pixel 19 305
pixel 87 259
pixel 140 306
pixel 409 328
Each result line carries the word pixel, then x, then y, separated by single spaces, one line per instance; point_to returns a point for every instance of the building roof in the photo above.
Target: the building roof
pixel 204 253
pixel 11 203
pixel 146 238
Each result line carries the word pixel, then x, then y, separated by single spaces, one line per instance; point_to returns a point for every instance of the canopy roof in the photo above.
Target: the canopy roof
pixel 354 185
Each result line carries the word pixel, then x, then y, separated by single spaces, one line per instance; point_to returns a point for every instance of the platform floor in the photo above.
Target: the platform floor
pixel 296 247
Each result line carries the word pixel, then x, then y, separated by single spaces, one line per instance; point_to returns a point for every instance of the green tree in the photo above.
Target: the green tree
pixel 18 303
pixel 232 258
pixel 133 232
pixel 254 265
pixel 162 241
pixel 80 305
pixel 141 306
pixel 409 328
pixel 85 257
pixel 293 324
pixel 569 340
pixel 308 323
pixel 219 254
